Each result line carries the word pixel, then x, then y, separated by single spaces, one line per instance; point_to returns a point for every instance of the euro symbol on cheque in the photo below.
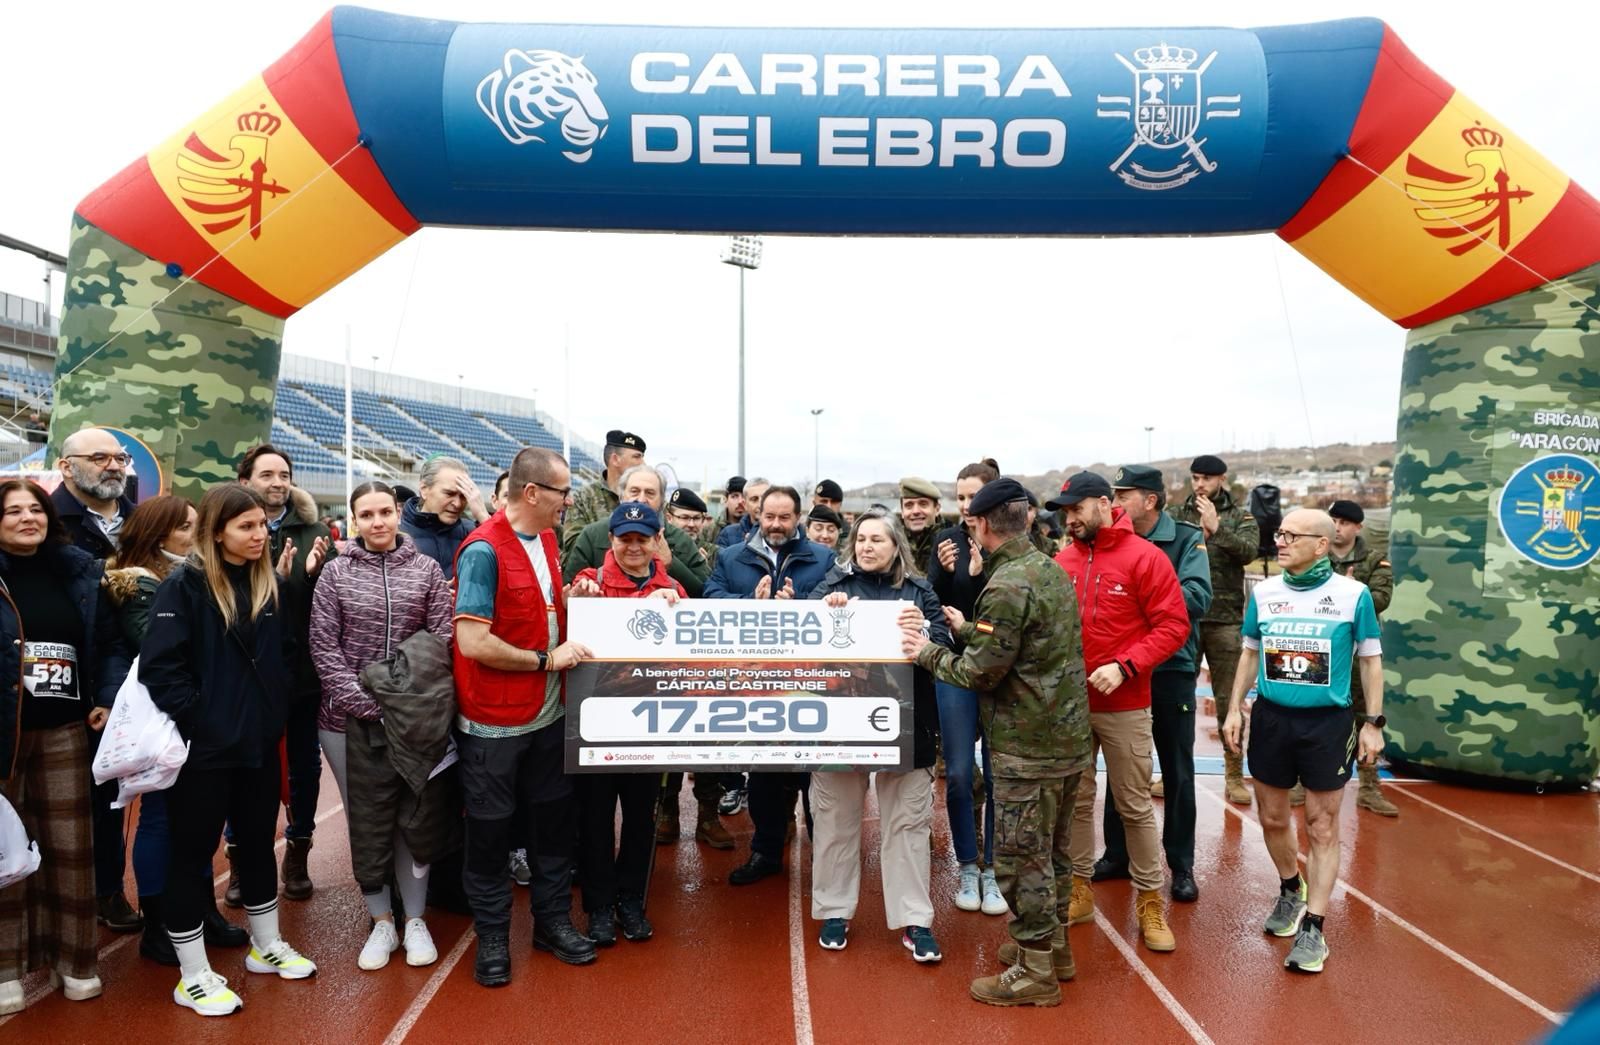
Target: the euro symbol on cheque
pixel 873 719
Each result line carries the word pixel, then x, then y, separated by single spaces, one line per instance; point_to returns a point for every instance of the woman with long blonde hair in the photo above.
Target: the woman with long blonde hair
pixel 214 659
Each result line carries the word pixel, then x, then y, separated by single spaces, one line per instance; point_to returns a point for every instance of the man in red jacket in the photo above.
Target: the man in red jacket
pixel 1134 618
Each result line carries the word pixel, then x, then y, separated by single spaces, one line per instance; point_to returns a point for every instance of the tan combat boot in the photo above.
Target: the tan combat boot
pixel 1031 981
pixel 1060 954
pixel 1370 797
pixel 1081 908
pixel 1153 921
pixel 1158 789
pixel 1233 767
pixel 708 827
pixel 667 827
pixel 1297 794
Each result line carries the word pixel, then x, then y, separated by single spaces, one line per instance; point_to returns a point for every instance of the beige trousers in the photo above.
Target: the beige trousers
pixel 905 818
pixel 1125 738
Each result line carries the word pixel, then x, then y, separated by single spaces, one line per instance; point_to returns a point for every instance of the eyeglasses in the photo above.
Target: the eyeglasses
pixel 100 460
pixel 564 491
pixel 1289 537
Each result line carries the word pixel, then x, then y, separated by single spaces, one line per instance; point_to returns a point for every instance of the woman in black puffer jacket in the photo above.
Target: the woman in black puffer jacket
pixel 877 566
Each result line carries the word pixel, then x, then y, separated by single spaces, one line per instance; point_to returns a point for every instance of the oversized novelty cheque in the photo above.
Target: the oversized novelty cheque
pixel 712 685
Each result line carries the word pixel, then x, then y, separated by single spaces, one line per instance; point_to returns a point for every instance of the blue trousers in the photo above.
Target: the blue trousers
pixel 959 733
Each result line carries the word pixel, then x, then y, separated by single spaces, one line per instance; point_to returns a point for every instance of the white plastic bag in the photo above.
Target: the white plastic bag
pixel 18 857
pixel 140 746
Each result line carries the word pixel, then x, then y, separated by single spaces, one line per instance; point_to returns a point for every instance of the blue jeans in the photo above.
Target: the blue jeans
pixel 150 843
pixel 959 731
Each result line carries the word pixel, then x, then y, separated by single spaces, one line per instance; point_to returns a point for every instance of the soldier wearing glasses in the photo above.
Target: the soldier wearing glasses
pixel 92 499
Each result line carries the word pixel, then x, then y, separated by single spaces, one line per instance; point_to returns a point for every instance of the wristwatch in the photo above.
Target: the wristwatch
pixel 544 660
pixel 1376 720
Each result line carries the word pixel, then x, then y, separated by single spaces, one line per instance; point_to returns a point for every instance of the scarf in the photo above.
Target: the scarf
pixel 1315 574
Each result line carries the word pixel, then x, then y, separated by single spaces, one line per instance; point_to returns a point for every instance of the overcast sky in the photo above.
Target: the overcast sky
pixel 923 354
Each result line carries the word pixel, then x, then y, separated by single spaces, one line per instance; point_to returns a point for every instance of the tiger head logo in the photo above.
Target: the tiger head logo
pixel 533 88
pixel 648 624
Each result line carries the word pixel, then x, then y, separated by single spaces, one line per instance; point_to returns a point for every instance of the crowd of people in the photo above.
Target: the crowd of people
pixel 422 654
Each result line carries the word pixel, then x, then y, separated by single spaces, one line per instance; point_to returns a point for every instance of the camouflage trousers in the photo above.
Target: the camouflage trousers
pixel 1032 851
pixel 1220 642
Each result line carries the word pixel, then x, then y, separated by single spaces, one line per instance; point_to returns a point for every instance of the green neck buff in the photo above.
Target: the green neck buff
pixel 1315 574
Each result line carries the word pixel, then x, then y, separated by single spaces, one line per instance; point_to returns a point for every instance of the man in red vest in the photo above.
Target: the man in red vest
pixel 510 651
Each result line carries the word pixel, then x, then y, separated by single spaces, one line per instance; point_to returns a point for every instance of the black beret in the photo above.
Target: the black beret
pixel 822 513
pixel 735 484
pixel 994 494
pixel 1349 511
pixel 617 437
pixel 1208 464
pixel 1079 487
pixel 829 489
pixel 687 500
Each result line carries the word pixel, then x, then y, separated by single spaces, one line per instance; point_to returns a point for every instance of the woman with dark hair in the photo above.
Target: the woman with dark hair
pixel 215 659
pixel 61 664
pixel 957 577
pixel 877 565
pixel 154 540
pixel 382 591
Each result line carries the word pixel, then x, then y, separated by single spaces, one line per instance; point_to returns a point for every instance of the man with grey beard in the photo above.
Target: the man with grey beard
pixel 92 503
pixel 91 499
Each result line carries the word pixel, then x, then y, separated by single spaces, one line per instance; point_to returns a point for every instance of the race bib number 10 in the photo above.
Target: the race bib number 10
pixel 50 670
pixel 1298 662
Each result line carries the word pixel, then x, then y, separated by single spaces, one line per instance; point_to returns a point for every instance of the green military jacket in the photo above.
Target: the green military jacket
pixel 709 532
pixel 690 567
pixel 1369 566
pixel 592 503
pixel 1235 545
pixel 1185 546
pixel 921 544
pixel 1023 654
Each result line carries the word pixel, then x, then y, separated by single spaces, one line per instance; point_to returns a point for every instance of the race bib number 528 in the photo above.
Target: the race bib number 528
pixel 1301 662
pixel 50 670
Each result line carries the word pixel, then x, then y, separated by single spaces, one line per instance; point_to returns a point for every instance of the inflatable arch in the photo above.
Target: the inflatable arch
pixel 184 266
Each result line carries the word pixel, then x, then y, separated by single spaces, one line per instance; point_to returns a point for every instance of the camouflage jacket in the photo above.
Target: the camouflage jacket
pixel 1023 653
pixel 1233 547
pixel 922 543
pixel 593 502
pixel 708 532
pixel 1369 566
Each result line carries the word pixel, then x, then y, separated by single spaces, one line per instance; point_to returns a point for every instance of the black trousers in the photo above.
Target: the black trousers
pixel 613 865
pixel 110 843
pixel 707 787
pixel 198 803
pixel 772 797
pixel 504 780
pixel 1172 726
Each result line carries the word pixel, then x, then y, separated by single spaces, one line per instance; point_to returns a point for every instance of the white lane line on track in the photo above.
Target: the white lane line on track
pixel 1196 1032
pixel 798 985
pixel 413 1013
pixel 1525 847
pixel 45 986
pixel 1466 963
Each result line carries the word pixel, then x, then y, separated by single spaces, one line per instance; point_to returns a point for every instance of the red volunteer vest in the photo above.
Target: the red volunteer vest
pixel 521 618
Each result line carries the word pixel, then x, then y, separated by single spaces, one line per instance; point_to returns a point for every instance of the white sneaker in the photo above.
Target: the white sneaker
pixel 74 989
pixel 381 944
pixel 282 959
pixel 11 997
pixel 419 944
pixel 967 898
pixel 208 995
pixel 993 902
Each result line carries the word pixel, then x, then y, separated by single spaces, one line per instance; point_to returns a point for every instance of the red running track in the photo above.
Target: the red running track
pixel 1474 917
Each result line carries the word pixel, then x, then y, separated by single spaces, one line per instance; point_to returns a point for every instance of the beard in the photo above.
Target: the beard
pixel 101 488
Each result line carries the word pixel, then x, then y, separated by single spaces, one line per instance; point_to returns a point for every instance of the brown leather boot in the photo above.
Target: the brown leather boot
pixel 1060 954
pixel 296 882
pixel 708 827
pixel 1370 797
pixel 667 829
pixel 1081 907
pixel 1233 769
pixel 231 895
pixel 1153 921
pixel 1031 981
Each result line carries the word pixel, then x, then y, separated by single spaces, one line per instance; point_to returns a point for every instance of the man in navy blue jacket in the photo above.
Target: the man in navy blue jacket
pixel 775 562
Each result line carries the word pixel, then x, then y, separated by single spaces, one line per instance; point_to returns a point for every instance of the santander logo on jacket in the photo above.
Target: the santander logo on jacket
pixel 1131 608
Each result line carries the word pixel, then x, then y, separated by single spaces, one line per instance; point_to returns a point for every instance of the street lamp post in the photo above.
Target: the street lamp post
pixel 1148 453
pixel 816 445
pixel 744 254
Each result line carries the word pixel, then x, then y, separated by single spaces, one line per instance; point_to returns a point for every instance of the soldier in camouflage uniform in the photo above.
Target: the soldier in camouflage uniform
pixel 1232 542
pixel 733 510
pixel 1352 558
pixel 920 519
pixel 1023 654
pixel 599 499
